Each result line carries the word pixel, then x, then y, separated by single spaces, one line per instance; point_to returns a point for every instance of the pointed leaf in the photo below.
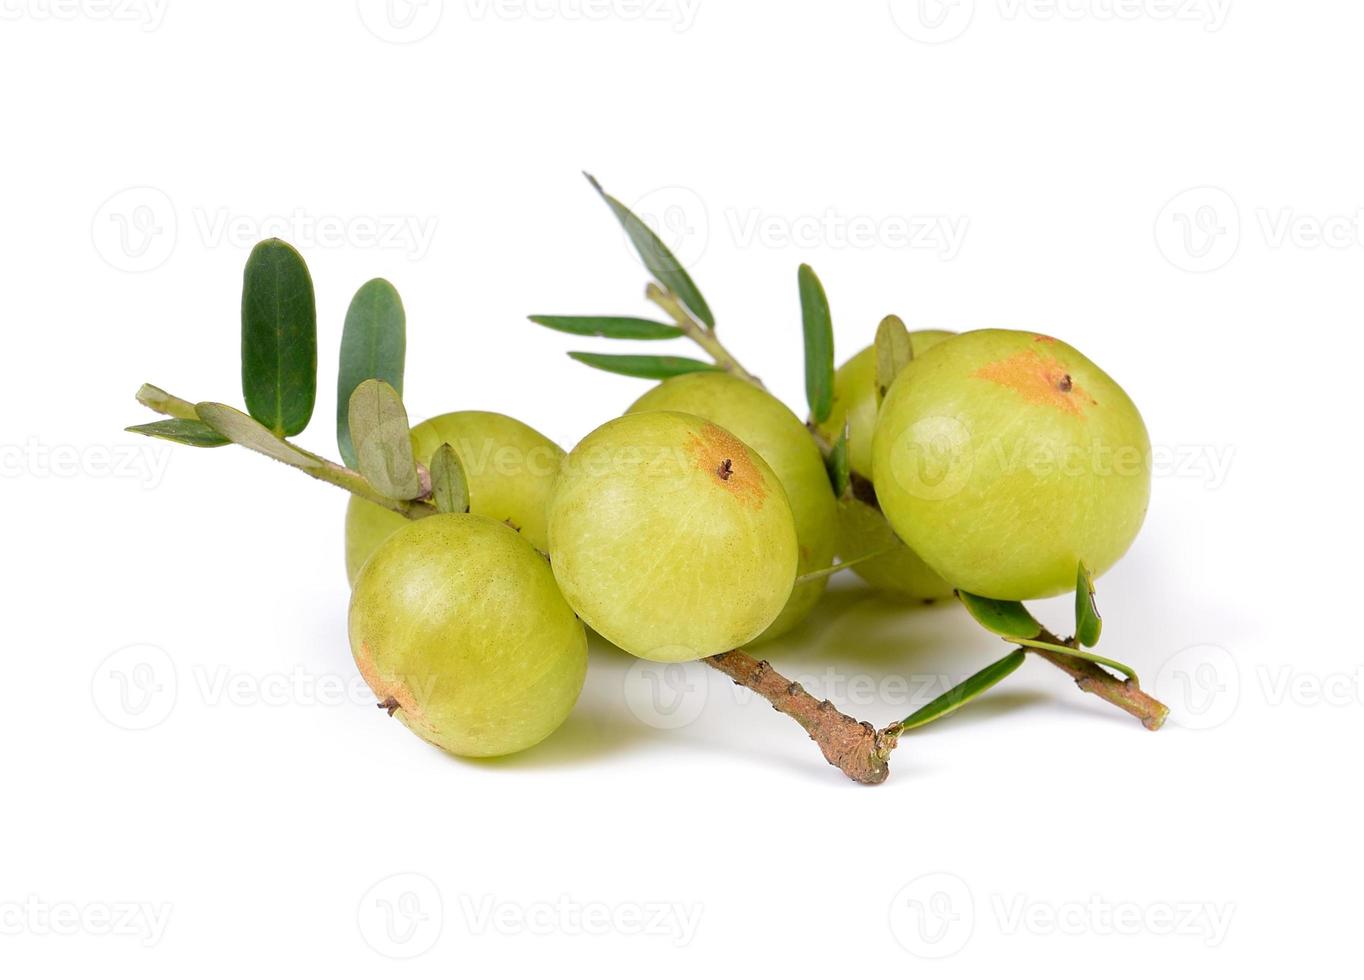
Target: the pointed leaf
pixel 893 352
pixel 656 367
pixel 187 432
pixel 1090 655
pixel 840 469
pixel 246 431
pixel 449 484
pixel 1088 623
pixel 965 692
pixel 373 345
pixel 279 338
pixel 383 440
pixel 616 327
pixel 819 344
pixel 1001 617
pixel 660 262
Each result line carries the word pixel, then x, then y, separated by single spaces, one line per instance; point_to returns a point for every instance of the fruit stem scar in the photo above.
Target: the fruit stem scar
pixel 1065 384
pixel 726 469
pixel 390 705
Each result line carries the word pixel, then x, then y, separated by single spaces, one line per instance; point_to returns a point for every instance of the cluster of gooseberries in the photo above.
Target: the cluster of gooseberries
pixel 996 465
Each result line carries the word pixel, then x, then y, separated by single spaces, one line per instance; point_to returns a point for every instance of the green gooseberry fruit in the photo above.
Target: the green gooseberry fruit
pixel 510 468
pixel 762 422
pixel 459 629
pixel 670 537
pixel 855 399
pixel 1004 459
pixel 862 530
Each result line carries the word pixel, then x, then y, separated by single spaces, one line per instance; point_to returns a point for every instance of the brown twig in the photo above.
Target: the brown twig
pixel 1093 679
pixel 855 747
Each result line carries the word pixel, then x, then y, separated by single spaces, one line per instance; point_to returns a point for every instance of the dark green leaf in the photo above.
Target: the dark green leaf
pixel 893 352
pixel 616 327
pixel 656 367
pixel 246 431
pixel 965 692
pixel 449 485
pixel 187 432
pixel 1088 623
pixel 840 471
pixel 1089 655
pixel 819 345
pixel 373 345
pixel 660 262
pixel 383 440
pixel 1003 618
pixel 279 338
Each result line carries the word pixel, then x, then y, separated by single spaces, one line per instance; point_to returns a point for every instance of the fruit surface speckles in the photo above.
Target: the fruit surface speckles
pixel 770 429
pixel 459 629
pixel 1001 480
pixel 1040 379
pixel 660 555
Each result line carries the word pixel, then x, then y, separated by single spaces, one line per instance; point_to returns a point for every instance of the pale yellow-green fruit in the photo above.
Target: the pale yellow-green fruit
pixel 855 402
pixel 1005 458
pixel 861 529
pixel 458 627
pixel 510 468
pixel 768 426
pixel 670 537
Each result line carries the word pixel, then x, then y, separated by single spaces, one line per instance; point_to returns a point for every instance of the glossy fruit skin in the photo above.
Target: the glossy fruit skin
pixel 458 619
pixel 670 537
pixel 855 398
pixel 510 468
pixel 1005 458
pixel 762 422
pixel 861 528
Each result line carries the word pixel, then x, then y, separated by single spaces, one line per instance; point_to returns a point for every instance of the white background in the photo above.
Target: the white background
pixel 1173 187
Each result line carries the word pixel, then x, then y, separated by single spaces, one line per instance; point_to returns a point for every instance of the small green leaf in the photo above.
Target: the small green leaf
pixel 660 262
pixel 449 485
pixel 383 440
pixel 819 345
pixel 187 432
pixel 840 469
pixel 616 327
pixel 1088 623
pixel 893 352
pixel 1003 618
pixel 1089 655
pixel 965 692
pixel 656 367
pixel 373 345
pixel 246 431
pixel 279 338
pixel 165 403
